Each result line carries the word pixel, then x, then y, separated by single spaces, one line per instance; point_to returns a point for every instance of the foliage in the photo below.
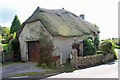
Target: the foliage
pixel 15 44
pixel 7 38
pixel 15 48
pixel 4 41
pixel 5 31
pixel 46 49
pixel 44 65
pixel 108 47
pixel 105 46
pixel 12 36
pixel 88 47
pixel 5 47
pixel 15 25
pixel 96 42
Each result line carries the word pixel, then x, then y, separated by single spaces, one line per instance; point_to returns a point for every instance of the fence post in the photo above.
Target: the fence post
pixel 61 58
pixel 3 56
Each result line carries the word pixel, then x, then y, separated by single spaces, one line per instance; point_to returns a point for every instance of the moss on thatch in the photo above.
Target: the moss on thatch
pixel 60 22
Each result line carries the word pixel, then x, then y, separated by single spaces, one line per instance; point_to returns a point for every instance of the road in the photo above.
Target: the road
pixel 103 71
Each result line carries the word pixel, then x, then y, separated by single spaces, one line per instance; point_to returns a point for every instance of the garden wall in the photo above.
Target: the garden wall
pixel 92 60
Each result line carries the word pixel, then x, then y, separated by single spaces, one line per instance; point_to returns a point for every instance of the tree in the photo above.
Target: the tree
pixel 15 25
pixel 5 31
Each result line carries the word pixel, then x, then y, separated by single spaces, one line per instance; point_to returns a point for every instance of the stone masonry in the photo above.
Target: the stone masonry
pixel 89 60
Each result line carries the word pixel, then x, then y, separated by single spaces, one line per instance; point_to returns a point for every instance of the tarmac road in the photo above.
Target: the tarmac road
pixel 109 70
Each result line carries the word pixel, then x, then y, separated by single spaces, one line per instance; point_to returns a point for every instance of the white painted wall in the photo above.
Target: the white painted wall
pixel 64 45
pixel 31 32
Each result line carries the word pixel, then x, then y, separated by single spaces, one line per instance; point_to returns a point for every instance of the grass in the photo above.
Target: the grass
pixel 22 74
pixel 45 72
pixel 5 46
pixel 6 63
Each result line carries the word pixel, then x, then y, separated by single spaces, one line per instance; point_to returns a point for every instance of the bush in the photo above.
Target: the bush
pixel 15 48
pixel 96 42
pixel 4 41
pixel 7 39
pixel 88 47
pixel 108 47
pixel 46 49
pixel 15 44
pixel 105 46
pixel 44 65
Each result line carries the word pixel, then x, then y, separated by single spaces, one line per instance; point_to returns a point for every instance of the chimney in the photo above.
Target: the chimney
pixel 82 16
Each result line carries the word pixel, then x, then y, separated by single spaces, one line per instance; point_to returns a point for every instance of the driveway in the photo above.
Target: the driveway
pixel 20 68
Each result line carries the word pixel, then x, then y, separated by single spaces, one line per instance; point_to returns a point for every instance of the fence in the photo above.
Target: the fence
pixel 87 61
pixel 7 56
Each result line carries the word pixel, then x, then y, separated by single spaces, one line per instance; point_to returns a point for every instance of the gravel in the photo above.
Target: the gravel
pixel 20 68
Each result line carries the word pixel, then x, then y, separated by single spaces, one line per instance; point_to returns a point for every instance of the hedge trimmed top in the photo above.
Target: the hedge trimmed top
pixel 61 22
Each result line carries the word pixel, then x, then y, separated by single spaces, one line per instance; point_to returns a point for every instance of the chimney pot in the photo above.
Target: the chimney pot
pixel 82 16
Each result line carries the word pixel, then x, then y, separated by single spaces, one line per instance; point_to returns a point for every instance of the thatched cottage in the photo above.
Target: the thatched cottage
pixel 60 25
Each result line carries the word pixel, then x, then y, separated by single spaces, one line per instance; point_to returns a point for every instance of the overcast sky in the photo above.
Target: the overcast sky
pixel 104 13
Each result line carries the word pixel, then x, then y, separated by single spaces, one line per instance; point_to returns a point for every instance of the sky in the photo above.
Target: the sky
pixel 103 13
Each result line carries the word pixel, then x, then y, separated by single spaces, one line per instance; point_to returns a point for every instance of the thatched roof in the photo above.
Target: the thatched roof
pixel 60 22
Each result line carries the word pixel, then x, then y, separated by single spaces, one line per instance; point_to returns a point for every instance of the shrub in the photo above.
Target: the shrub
pixel 105 46
pixel 4 41
pixel 45 50
pixel 15 48
pixel 88 47
pixel 7 39
pixel 96 42
pixel 108 46
pixel 44 65
pixel 15 44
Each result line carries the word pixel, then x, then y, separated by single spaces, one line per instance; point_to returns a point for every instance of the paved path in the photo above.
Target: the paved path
pixel 20 68
pixel 103 71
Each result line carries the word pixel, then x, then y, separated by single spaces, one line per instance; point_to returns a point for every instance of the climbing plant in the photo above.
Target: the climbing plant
pixel 45 50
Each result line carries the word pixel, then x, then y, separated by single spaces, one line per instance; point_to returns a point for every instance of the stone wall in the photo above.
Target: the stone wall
pixel 92 60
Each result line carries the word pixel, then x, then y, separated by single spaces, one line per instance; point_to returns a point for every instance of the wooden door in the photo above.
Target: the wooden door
pixel 33 50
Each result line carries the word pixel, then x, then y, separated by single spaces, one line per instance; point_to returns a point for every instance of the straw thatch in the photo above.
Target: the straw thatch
pixel 61 22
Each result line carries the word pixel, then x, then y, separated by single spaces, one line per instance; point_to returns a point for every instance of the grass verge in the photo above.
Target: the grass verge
pixel 42 73
pixel 7 63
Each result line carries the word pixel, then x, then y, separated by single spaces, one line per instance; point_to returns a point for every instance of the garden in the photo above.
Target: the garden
pixel 10 44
